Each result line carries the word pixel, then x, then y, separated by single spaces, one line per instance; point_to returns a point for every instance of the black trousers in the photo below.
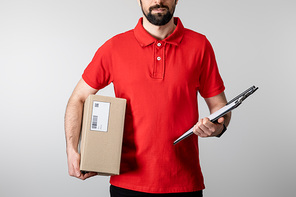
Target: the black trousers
pixel 121 192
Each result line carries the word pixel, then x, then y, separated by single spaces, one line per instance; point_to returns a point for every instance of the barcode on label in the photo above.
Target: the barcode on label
pixel 94 124
pixel 100 116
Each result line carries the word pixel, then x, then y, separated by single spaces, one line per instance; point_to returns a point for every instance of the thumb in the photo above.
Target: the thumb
pixel 221 120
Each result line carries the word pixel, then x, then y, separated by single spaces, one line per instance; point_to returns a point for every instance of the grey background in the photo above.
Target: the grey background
pixel 45 46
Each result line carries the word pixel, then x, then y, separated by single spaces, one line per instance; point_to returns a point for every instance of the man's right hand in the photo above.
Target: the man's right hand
pixel 74 166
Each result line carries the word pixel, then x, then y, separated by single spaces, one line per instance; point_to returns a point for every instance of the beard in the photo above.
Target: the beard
pixel 159 19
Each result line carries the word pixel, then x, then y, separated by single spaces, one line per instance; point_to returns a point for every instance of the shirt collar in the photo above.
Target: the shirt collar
pixel 145 39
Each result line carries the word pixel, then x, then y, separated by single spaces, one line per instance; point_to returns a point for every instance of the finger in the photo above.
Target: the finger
pixel 87 175
pixel 90 174
pixel 221 120
pixel 207 123
pixel 75 173
pixel 207 127
pixel 78 174
pixel 199 129
pixel 204 131
pixel 77 169
pixel 72 170
pixel 196 130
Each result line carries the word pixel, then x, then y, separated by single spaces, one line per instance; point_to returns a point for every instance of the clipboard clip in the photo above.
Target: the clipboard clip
pixel 234 103
pixel 241 97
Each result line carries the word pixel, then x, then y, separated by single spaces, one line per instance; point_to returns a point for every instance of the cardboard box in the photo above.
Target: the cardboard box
pixel 101 134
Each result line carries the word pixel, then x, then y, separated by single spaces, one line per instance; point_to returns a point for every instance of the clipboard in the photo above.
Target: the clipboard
pixel 231 105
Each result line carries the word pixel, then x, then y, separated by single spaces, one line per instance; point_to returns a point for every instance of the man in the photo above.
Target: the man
pixel 158 67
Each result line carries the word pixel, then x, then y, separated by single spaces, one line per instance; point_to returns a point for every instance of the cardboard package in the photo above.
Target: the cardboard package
pixel 101 134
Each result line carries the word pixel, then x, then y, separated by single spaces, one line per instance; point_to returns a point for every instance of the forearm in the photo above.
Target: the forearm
pixel 73 121
pixel 217 103
pixel 73 118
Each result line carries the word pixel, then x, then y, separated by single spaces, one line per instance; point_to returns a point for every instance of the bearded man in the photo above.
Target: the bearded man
pixel 159 67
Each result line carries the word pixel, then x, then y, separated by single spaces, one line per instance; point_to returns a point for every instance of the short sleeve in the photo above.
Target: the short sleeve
pixel 211 83
pixel 98 73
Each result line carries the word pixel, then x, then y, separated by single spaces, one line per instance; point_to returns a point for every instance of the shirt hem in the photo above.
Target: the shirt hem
pixel 214 93
pixel 159 190
pixel 90 83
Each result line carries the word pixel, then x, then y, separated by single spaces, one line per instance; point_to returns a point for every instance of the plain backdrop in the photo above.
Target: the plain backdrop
pixel 45 46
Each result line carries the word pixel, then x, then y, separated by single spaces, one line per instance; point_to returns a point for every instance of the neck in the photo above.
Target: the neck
pixel 159 32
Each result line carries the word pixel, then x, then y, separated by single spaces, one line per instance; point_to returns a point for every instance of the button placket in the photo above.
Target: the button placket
pixel 158 71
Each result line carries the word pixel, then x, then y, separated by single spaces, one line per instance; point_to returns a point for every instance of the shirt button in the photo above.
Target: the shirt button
pixel 158 44
pixel 158 58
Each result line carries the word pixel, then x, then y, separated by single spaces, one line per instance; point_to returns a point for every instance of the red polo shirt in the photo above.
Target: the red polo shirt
pixel 160 80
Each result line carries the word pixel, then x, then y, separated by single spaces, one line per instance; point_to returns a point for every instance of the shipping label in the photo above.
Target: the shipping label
pixel 100 116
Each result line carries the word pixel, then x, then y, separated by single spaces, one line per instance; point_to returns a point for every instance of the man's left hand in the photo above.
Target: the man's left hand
pixel 205 128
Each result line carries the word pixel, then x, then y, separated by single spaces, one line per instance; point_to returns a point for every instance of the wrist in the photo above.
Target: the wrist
pixel 71 149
